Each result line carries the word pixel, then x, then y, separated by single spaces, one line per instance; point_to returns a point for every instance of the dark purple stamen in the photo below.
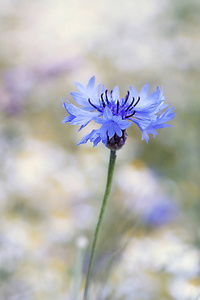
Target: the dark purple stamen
pixel 130 104
pixel 137 101
pixel 130 115
pixel 126 98
pixel 102 100
pixel 106 93
pixel 117 106
pixel 93 105
pixel 111 93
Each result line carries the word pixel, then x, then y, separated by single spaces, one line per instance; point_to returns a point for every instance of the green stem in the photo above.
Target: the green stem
pixel 106 194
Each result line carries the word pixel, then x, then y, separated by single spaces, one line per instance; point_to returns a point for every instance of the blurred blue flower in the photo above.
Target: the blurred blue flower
pixel 160 213
pixel 115 115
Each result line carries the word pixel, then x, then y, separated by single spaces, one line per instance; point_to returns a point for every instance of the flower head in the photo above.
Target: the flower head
pixel 115 114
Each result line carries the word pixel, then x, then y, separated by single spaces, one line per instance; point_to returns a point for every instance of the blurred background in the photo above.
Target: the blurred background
pixel 51 190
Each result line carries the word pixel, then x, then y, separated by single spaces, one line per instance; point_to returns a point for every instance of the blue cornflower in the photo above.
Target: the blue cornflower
pixel 115 115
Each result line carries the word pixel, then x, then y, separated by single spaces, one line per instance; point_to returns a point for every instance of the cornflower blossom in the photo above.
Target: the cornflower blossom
pixel 115 115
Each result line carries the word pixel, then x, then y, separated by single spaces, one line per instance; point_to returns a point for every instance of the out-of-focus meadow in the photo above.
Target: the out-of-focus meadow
pixel 51 190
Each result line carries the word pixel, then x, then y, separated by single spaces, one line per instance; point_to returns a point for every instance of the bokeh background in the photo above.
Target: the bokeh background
pixel 51 190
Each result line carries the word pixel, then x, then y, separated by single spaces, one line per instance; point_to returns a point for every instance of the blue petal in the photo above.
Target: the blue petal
pixel 85 138
pixel 78 115
pixel 145 136
pixel 133 92
pixel 96 141
pixel 144 91
pixel 107 114
pixel 80 87
pixel 143 121
pixel 118 131
pixel 91 82
pixel 86 93
pixel 115 93
pixel 95 136
pixel 68 119
pixel 110 128
pixel 103 89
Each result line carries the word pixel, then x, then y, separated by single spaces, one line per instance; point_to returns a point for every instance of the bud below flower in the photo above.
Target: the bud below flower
pixel 117 142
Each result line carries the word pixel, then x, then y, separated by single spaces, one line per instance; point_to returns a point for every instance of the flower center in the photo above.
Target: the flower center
pixel 119 107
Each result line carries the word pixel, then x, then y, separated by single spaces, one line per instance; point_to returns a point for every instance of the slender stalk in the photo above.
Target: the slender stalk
pixel 106 194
